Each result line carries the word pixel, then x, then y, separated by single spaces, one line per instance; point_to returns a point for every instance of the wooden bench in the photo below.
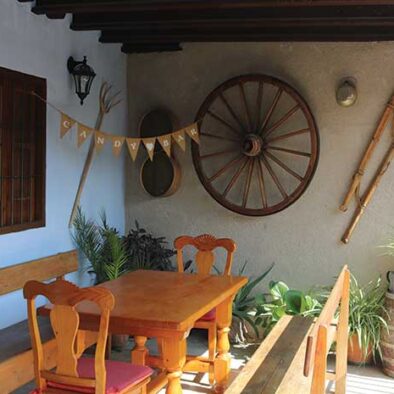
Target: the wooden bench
pixel 16 356
pixel 293 357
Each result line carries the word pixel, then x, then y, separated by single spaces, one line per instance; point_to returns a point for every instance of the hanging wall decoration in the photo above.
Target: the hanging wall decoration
pixel 354 189
pixel 98 138
pixel 259 145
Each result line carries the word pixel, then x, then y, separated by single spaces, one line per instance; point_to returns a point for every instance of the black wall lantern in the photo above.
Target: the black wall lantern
pixel 83 76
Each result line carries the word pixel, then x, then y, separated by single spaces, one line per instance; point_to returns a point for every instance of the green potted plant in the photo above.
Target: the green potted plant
pixel 285 301
pixel 145 251
pixel 367 319
pixel 103 248
pixel 244 326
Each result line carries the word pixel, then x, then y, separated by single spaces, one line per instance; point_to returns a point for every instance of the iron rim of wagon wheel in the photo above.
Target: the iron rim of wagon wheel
pixel 253 131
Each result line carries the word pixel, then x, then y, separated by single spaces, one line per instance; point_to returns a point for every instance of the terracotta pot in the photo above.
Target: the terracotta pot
pixel 355 354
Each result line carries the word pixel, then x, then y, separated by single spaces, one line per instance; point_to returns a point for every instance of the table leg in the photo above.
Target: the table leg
pixel 223 360
pixel 139 352
pixel 174 358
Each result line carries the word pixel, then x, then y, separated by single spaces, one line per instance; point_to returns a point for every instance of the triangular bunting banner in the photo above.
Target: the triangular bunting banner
pixel 165 142
pixel 150 146
pixel 83 133
pixel 179 137
pixel 66 123
pixel 99 140
pixel 117 143
pixel 192 132
pixel 133 144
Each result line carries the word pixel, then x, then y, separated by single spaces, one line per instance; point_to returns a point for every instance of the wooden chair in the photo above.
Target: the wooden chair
pixel 73 372
pixel 205 244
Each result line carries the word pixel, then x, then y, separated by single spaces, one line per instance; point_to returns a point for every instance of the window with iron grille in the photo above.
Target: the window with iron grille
pixel 22 151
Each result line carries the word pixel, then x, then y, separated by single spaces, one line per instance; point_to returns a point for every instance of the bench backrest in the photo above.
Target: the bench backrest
pixel 14 277
pixel 327 330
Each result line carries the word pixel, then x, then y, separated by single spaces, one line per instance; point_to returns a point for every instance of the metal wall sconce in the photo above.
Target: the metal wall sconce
pixel 83 76
pixel 346 92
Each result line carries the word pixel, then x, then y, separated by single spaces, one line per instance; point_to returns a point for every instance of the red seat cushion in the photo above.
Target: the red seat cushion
pixel 120 375
pixel 211 315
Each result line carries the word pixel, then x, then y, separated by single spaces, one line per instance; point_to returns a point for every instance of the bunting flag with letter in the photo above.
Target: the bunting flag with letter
pixel 66 123
pixel 117 143
pixel 99 140
pixel 179 137
pixel 83 133
pixel 150 146
pixel 192 132
pixel 133 144
pixel 165 142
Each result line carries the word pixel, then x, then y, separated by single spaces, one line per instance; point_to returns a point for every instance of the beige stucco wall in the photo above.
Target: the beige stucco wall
pixel 303 240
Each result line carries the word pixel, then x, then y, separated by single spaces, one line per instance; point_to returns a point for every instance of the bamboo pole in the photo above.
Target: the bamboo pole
pixel 106 103
pixel 388 112
pixel 366 199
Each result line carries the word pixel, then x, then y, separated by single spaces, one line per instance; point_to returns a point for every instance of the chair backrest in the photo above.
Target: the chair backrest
pixel 328 329
pixel 205 258
pixel 65 296
pixel 14 277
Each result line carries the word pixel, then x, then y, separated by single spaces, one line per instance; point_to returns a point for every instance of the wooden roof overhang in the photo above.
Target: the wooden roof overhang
pixel 163 25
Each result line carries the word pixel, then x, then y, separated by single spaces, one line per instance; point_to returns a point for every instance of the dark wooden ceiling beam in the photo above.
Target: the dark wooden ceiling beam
pixel 307 34
pixel 299 16
pixel 74 6
pixel 150 47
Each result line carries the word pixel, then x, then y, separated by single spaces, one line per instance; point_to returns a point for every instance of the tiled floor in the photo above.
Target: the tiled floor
pixel 360 380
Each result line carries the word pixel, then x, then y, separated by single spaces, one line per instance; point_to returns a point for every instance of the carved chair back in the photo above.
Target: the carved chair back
pixel 205 245
pixel 65 296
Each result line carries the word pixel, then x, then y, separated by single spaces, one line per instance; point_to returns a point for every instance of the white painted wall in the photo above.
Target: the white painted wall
pixel 303 240
pixel 39 46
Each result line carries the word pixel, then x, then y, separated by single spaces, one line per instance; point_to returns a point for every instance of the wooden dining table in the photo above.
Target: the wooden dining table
pixel 165 305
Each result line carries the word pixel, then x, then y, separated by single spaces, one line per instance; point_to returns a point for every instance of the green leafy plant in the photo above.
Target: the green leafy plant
pixel 144 251
pixel 285 301
pixel 245 307
pixel 367 315
pixel 101 245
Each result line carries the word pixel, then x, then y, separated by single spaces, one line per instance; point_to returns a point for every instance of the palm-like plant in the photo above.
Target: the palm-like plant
pixel 101 245
pixel 245 306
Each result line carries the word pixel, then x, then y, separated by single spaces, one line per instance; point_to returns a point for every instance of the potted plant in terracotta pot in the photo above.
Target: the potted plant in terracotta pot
pixel 367 319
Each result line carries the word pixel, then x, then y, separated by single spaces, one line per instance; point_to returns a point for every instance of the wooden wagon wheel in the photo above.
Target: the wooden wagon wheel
pixel 259 145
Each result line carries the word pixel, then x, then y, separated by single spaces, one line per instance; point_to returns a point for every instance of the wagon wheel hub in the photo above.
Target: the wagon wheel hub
pixel 252 145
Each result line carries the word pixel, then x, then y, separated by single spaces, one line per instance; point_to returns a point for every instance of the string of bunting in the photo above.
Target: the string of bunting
pixel 67 123
pixel 133 144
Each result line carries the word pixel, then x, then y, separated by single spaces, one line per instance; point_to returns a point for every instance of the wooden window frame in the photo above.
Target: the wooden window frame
pixel 12 81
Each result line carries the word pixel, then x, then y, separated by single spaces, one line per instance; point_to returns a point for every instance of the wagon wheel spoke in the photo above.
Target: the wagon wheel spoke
pixel 235 177
pixel 284 166
pixel 254 168
pixel 271 110
pixel 287 135
pixel 215 154
pixel 222 121
pixel 219 137
pixel 226 167
pixel 246 107
pixel 291 151
pixel 263 193
pixel 258 105
pixel 232 112
pixel 274 177
pixel 248 182
pixel 282 120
